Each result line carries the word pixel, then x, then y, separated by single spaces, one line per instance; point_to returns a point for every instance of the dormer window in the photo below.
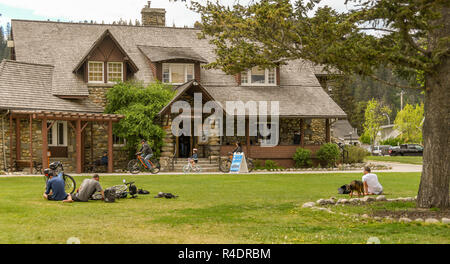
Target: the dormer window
pixel 177 73
pixel 95 72
pixel 259 77
pixel 115 72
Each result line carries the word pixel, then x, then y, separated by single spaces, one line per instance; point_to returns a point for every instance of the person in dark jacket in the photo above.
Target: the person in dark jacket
pixel 55 189
pixel 238 148
pixel 146 153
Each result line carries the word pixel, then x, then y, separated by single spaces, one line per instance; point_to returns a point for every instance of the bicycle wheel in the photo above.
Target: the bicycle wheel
pixel 186 169
pixel 225 166
pixel 198 169
pixel 134 166
pixel 157 168
pixel 250 165
pixel 70 184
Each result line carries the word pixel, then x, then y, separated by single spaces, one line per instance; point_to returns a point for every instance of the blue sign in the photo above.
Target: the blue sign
pixel 237 162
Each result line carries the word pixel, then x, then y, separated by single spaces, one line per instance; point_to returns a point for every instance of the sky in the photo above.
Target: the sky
pixel 107 10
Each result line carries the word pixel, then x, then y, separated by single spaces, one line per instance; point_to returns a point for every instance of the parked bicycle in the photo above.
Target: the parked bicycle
pixel 138 165
pixel 55 169
pixel 225 164
pixel 192 167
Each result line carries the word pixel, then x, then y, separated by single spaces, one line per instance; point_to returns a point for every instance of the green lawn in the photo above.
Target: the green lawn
pixel 210 209
pixel 401 159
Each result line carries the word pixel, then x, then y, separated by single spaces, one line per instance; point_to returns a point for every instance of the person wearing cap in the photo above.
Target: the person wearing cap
pixel 146 153
pixel 194 158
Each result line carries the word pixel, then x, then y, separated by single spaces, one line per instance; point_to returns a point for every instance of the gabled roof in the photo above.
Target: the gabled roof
pixel 305 102
pixel 157 54
pixel 95 45
pixel 27 86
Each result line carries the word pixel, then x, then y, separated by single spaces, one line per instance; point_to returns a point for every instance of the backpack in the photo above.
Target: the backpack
pixel 344 189
pixel 110 195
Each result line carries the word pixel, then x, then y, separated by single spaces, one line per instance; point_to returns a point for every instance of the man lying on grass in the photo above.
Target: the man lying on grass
pixel 371 184
pixel 55 189
pixel 88 188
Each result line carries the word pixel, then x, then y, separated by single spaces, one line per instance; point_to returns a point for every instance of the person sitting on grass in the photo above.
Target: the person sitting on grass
pixel 194 159
pixel 55 189
pixel 88 188
pixel 371 184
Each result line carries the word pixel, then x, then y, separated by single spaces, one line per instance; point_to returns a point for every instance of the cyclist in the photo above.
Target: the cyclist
pixel 146 153
pixel 238 148
pixel 194 159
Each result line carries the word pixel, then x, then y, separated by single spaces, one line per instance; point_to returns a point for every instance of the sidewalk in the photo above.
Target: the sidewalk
pixel 396 167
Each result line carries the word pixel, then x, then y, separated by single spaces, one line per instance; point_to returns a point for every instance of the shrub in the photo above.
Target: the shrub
pixel 356 154
pixel 258 164
pixel 272 165
pixel 328 154
pixel 393 141
pixel 302 158
pixel 365 139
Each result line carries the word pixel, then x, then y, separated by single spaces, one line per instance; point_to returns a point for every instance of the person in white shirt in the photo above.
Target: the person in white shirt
pixel 371 184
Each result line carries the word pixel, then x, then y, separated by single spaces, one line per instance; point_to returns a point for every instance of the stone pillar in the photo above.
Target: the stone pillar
pixel 168 149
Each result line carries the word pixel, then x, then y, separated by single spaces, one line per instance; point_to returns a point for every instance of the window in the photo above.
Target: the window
pixel 115 72
pixel 95 72
pixel 259 77
pixel 177 73
pixel 57 134
pixel 118 141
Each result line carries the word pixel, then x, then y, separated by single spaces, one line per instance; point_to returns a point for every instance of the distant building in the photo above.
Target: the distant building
pixel 343 132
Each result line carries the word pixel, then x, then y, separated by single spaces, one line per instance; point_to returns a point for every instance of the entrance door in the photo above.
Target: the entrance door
pixel 184 147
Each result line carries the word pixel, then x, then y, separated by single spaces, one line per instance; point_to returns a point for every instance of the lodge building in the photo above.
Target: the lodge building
pixel 52 93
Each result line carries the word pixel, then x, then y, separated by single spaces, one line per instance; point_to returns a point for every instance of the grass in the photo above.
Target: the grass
pixel 417 160
pixel 210 209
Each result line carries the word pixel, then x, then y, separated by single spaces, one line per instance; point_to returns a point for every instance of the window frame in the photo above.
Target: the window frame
pixel 121 72
pixel 186 65
pixel 54 132
pixel 248 75
pixel 115 137
pixel 89 70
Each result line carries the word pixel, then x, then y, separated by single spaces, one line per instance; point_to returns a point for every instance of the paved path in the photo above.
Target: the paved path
pixel 396 167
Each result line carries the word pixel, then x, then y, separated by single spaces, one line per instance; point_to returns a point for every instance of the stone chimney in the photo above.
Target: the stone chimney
pixel 153 16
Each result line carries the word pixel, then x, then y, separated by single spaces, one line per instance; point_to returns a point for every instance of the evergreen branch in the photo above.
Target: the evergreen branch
pixel 392 84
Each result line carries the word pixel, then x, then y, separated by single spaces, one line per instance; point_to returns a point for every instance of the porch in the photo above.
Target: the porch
pixel 43 122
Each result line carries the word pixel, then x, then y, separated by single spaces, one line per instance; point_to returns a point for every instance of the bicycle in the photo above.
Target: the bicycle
pixel 225 164
pixel 137 165
pixel 120 191
pixel 55 169
pixel 192 168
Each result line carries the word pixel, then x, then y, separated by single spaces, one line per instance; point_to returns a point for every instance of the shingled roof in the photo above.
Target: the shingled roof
pixel 63 45
pixel 27 86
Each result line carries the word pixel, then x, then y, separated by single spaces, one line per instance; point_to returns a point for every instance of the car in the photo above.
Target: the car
pixel 407 150
pixel 380 150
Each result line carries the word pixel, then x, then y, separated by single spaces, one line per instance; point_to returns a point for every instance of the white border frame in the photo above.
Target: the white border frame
pixel 54 129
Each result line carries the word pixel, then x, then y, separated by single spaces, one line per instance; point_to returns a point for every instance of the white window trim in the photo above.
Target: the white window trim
pixel 185 71
pixel 107 71
pixel 266 78
pixel 103 72
pixel 55 134
pixel 120 145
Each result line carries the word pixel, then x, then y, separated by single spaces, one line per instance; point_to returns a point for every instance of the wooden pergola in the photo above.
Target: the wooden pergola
pixel 78 122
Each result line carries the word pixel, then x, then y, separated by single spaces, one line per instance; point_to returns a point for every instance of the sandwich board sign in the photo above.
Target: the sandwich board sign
pixel 239 163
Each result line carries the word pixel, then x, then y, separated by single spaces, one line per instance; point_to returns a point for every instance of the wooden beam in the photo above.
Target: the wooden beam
pixel 110 148
pixel 10 141
pixel 78 145
pixel 247 135
pixel 31 144
pixel 327 131
pixel 18 141
pixel 44 144
pixel 92 142
pixel 302 132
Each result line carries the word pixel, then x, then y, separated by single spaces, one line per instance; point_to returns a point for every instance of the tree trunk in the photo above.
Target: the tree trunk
pixel 435 181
